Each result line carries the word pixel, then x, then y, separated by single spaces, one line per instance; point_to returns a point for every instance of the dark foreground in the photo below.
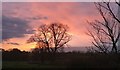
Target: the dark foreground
pixel 67 61
pixel 13 65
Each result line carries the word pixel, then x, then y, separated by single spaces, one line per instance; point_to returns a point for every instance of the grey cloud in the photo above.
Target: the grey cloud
pixel 13 43
pixel 38 18
pixel 14 27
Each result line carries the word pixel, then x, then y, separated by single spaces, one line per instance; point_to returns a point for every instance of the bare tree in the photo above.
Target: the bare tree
pixel 51 37
pixel 105 33
pixel 107 8
pixel 41 38
pixel 60 35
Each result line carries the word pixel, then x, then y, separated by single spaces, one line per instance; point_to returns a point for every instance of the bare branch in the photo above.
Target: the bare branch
pixel 51 37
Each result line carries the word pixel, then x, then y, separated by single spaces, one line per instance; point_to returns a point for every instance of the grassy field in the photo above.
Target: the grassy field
pixel 67 61
pixel 27 65
pixel 13 65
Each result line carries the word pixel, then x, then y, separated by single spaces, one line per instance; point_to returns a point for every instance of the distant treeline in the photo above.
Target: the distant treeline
pixel 18 55
pixel 33 55
pixel 15 55
pixel 68 59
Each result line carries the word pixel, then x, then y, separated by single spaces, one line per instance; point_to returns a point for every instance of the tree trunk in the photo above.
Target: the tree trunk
pixel 114 48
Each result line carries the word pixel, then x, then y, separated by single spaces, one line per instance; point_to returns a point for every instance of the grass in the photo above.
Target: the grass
pixel 66 61
pixel 26 65
pixel 15 64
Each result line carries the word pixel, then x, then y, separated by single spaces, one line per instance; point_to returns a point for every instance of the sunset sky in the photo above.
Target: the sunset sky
pixel 21 19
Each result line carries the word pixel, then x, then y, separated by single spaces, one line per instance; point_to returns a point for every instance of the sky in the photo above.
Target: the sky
pixel 58 0
pixel 21 19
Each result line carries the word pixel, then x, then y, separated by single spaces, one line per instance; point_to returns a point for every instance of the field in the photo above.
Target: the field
pixel 25 65
pixel 68 61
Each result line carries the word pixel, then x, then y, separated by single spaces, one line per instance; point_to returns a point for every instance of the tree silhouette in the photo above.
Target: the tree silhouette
pixel 107 8
pixel 52 37
pixel 105 33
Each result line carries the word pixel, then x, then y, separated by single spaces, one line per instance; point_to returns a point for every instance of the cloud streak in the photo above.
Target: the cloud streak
pixel 13 43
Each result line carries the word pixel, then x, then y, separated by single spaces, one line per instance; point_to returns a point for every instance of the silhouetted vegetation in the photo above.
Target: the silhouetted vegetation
pixel 51 38
pixel 105 32
pixel 15 55
pixel 66 60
